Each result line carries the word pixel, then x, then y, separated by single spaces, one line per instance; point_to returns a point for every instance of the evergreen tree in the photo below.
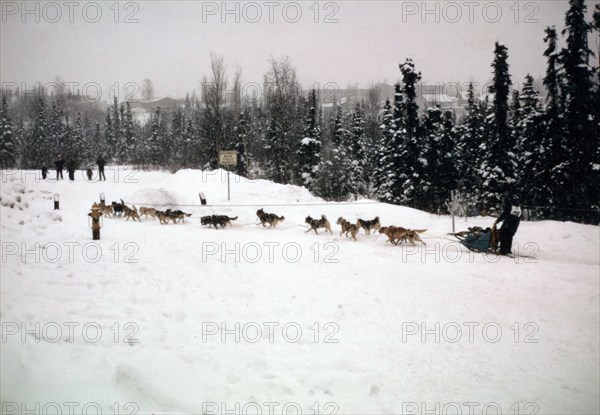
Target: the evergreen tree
pixel 129 140
pixel 581 148
pixel 467 149
pixel 39 144
pixel 334 180
pixel 552 174
pixel 381 181
pixel 357 153
pixel 8 145
pixel 497 168
pixel 116 143
pixel 74 141
pixel 241 132
pixel 176 141
pixel 57 130
pixel 531 155
pixel 109 136
pixel 411 163
pixel 309 154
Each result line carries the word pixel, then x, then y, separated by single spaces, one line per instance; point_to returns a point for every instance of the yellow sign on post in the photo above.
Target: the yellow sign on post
pixel 228 158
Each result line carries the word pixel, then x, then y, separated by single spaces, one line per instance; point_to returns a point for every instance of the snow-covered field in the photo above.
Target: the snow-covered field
pixel 185 319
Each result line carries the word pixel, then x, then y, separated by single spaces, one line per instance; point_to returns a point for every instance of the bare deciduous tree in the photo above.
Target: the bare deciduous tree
pixel 213 97
pixel 147 90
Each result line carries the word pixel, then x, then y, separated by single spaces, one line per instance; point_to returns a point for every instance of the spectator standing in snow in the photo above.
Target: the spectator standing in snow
pixel 89 173
pixel 44 172
pixel 71 166
pixel 60 165
pixel 510 224
pixel 101 163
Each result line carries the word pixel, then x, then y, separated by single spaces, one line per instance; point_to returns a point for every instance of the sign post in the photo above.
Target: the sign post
pixel 228 159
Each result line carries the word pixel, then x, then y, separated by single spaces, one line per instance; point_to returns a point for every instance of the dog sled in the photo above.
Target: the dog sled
pixel 481 240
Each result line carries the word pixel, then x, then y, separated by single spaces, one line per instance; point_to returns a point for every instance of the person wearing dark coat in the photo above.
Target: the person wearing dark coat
pixel 71 166
pixel 44 172
pixel 101 163
pixel 510 224
pixel 60 165
pixel 89 174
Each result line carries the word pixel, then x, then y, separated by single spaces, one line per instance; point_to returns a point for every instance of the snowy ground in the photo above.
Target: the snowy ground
pixel 136 322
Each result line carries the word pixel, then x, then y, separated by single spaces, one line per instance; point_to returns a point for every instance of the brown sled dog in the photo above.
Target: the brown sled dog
pixel 318 223
pixel 367 225
pixel 146 211
pixel 131 213
pixel 347 227
pixel 270 218
pixel 107 210
pixel 397 234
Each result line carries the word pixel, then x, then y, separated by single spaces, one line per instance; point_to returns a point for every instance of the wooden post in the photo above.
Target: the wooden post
pixel 453 208
pixel 228 189
pixel 56 201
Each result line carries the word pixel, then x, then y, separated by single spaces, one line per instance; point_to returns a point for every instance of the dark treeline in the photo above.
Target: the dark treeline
pixel 545 152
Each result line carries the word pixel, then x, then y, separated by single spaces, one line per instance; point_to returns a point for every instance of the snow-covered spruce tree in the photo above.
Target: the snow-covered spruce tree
pixel 117 142
pixel 73 141
pixel 309 154
pixel 57 130
pixel 8 147
pixel 553 136
pixel 87 152
pixel 467 148
pixel 99 146
pixel 334 179
pixel 372 130
pixel 275 150
pixel 39 145
pixel 431 131
pixel 411 163
pixel 20 139
pixel 582 168
pixel 241 133
pixel 357 153
pixel 497 167
pixel 382 184
pixel 109 137
pixel 174 157
pixel 530 149
pixel 129 135
pixel 437 147
pixel 152 146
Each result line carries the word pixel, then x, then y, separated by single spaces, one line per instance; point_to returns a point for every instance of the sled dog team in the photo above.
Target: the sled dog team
pixel 396 234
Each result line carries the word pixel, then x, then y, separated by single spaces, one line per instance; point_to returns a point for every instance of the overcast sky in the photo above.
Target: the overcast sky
pixel 362 42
